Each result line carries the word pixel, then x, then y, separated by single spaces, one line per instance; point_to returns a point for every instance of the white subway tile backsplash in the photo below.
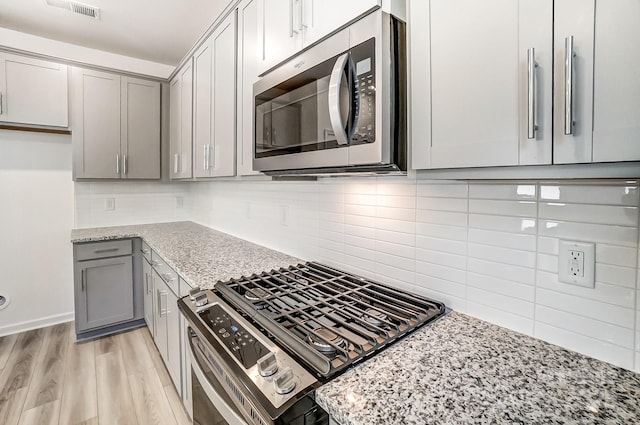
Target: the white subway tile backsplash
pixel 524 191
pixel 611 294
pixel 624 193
pixel 509 288
pixel 503 224
pixel 599 233
pixel 588 213
pixel 525 242
pixel 499 207
pixel 616 255
pixel 606 312
pixel 587 326
pixel 500 317
pixel 502 255
pixel 489 249
pixel 599 349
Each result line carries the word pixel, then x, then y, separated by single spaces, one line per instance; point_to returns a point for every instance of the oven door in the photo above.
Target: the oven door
pixel 319 109
pixel 211 404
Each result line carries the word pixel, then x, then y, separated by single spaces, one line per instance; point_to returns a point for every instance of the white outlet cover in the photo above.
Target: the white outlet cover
pixel 179 202
pixel 587 278
pixel 109 204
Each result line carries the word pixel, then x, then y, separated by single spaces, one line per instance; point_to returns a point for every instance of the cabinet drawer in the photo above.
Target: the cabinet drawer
pixel 94 250
pixel 166 273
pixel 146 251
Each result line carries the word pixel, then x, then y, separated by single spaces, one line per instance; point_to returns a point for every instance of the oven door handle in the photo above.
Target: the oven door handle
pixel 227 411
pixel 335 82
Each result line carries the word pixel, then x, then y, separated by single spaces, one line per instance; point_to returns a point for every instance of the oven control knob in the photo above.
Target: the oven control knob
pixel 201 299
pixel 285 381
pixel 194 293
pixel 267 365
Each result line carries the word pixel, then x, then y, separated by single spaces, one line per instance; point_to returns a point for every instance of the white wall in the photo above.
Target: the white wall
pixel 134 203
pixel 36 217
pixel 488 249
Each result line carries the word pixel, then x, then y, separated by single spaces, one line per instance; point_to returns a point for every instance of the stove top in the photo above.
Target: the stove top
pixel 326 318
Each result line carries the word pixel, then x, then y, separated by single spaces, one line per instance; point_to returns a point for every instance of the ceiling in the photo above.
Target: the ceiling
pixel 156 30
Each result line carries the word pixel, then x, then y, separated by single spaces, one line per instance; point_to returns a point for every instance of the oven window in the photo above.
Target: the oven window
pixel 204 412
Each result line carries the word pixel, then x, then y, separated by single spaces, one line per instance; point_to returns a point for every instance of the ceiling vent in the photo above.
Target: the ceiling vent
pixel 76 7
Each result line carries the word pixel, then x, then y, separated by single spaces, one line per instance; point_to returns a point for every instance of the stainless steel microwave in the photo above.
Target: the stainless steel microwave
pixel 338 107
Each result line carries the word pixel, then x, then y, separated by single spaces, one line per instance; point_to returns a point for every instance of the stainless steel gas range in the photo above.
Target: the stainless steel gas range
pixel 261 345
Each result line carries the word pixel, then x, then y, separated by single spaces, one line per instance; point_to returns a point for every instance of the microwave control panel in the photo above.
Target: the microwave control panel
pixel 365 91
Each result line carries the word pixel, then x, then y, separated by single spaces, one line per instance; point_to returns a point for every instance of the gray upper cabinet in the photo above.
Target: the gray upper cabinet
pixel 524 82
pixel 597 100
pixel 116 126
pixel 33 91
pixel 247 69
pixel 214 112
pixel 476 89
pixel 140 129
pixel 104 292
pixel 181 125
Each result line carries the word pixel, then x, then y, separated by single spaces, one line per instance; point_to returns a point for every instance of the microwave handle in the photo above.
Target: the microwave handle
pixel 335 81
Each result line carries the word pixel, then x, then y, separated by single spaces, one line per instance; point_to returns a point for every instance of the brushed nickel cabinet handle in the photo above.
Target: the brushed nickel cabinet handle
pixel 568 85
pixel 531 93
pixel 124 164
pixel 1 110
pixel 82 280
pixel 105 250
pixel 118 164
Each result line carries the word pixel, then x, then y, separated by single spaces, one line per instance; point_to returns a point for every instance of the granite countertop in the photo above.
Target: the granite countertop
pixel 457 370
pixel 200 255
pixel 461 370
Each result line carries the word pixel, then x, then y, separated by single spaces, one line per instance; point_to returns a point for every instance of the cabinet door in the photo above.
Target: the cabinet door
pixel 616 84
pixel 247 75
pixel 470 80
pixel 181 106
pixel 319 17
pixel 140 129
pixel 160 315
pixel 147 275
pixel 173 340
pixel 222 158
pixel 573 18
pixel 96 124
pixel 202 109
pixel 279 31
pixel 33 91
pixel 104 292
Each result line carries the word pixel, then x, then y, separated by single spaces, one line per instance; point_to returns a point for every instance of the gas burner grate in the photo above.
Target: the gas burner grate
pixel 328 318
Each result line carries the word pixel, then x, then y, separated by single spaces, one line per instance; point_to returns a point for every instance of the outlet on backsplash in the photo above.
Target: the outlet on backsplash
pixel 110 204
pixel 577 263
pixel 179 202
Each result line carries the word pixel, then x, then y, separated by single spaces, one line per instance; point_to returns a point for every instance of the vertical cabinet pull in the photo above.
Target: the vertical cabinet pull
pixel 568 85
pixel 1 110
pixel 176 159
pixel 531 93
pixel 118 164
pixel 146 283
pixel 82 280
pixel 124 164
pixel 290 18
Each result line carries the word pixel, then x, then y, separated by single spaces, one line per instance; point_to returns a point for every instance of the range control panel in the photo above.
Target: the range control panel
pixel 231 333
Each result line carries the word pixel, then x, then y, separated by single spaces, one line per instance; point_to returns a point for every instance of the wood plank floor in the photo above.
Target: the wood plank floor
pixel 46 378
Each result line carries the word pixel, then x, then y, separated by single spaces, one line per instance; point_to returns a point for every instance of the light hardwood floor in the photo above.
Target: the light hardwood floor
pixel 46 378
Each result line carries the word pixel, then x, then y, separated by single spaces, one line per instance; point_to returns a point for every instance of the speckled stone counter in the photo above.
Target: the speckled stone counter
pixel 200 255
pixel 461 370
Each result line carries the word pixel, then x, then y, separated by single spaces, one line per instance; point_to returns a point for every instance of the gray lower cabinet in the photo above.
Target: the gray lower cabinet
pixel 167 328
pixel 147 280
pixel 106 292
pixel 107 286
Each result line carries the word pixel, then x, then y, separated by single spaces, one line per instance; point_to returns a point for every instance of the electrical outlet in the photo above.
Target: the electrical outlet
pixel 179 202
pixel 109 204
pixel 576 263
pixel 247 210
pixel 284 215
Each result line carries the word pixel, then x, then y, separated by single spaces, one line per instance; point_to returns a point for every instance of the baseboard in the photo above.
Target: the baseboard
pixel 37 323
